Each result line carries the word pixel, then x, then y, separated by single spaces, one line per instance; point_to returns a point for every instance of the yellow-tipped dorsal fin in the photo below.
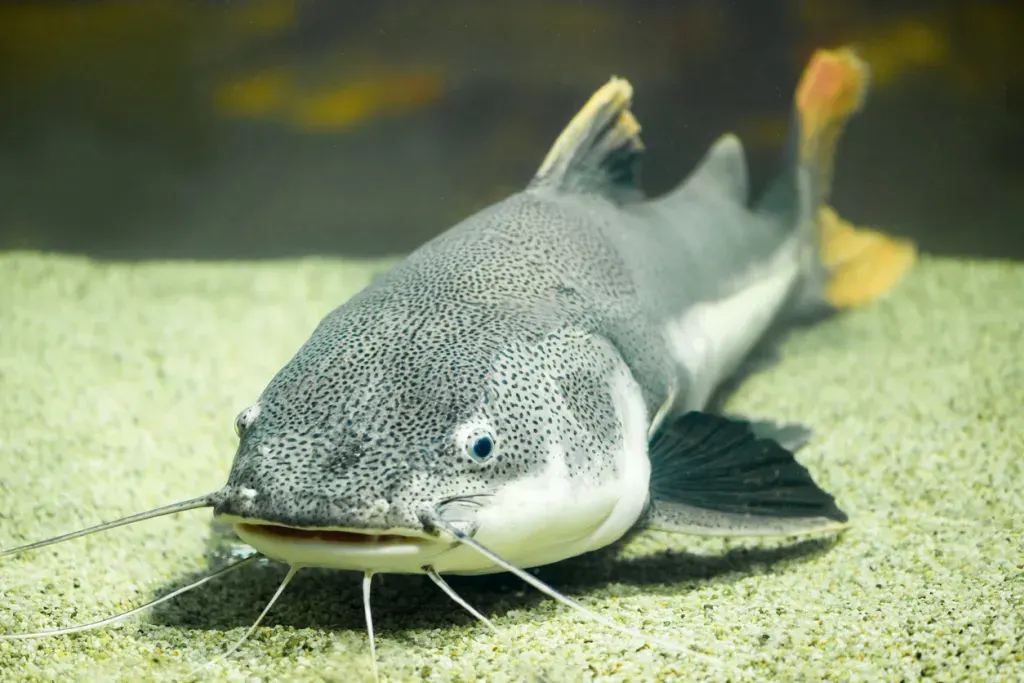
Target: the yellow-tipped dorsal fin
pixel 599 150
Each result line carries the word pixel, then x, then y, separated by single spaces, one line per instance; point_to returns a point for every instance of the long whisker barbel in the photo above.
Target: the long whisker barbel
pixel 124 615
pixel 450 592
pixel 472 543
pixel 203 501
pixel 292 570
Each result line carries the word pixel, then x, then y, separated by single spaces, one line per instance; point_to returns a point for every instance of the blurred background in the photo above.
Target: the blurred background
pixel 268 128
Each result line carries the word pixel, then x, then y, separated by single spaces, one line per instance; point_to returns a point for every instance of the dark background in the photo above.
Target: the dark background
pixel 251 129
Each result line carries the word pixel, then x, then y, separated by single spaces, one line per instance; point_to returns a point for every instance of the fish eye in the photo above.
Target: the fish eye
pixel 476 439
pixel 483 447
pixel 478 442
pixel 245 419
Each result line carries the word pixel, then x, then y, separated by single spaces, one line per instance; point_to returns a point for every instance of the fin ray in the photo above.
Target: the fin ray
pixel 679 518
pixel 720 476
pixel 600 149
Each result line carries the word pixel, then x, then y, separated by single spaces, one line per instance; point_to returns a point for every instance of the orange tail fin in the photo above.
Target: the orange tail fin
pixel 862 264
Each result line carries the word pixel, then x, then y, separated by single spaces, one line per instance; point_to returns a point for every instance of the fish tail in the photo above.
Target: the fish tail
pixel 854 265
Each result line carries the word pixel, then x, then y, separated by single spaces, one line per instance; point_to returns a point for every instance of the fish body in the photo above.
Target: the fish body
pixel 512 377
pixel 534 382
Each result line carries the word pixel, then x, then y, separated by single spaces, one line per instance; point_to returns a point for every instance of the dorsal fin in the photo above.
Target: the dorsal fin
pixel 723 168
pixel 599 150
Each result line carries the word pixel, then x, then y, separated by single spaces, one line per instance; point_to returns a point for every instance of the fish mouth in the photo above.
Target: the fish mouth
pixel 402 551
pixel 328 535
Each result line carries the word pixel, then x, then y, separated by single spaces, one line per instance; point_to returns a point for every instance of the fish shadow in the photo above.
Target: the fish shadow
pixel 405 604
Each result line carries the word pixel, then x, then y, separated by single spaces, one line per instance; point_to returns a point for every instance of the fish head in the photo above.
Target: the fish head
pixel 384 431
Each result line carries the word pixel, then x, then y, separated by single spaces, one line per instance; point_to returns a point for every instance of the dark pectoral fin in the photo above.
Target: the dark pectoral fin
pixel 719 476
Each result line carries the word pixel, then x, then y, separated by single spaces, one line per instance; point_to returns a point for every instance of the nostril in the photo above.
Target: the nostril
pixel 381 507
pixel 246 418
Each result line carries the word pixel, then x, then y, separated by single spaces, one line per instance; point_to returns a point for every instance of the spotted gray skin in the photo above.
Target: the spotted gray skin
pixel 492 318
pixel 527 319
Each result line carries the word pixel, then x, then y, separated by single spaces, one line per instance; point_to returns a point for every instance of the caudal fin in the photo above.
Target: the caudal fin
pixel 860 264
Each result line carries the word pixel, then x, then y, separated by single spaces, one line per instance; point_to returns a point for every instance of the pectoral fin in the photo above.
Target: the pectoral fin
pixel 716 476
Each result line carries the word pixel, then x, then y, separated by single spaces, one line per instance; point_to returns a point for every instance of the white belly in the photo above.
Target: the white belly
pixel 712 338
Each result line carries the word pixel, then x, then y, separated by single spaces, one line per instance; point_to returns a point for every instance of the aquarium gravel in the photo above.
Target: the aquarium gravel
pixel 119 384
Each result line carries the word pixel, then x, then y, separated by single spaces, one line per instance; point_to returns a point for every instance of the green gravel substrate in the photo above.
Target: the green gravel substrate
pixel 119 384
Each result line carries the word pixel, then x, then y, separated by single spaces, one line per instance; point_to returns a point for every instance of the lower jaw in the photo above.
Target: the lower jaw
pixel 386 554
pixel 405 555
pixel 402 555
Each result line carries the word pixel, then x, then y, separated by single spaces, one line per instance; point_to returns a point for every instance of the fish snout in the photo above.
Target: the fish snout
pixel 354 510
